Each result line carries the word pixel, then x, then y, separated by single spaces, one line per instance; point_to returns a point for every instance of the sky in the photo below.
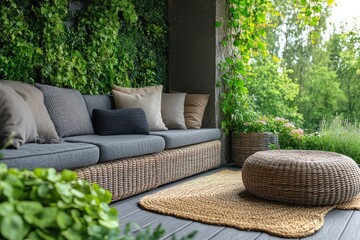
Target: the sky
pixel 345 10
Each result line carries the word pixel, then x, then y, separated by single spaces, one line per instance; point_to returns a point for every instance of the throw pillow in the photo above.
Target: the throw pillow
pixel 194 109
pixel 120 121
pixel 150 103
pixel 35 99
pixel 195 105
pixel 15 118
pixel 144 90
pixel 172 110
pixel 67 110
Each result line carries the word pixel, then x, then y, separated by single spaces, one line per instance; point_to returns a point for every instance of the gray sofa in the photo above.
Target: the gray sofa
pixel 124 164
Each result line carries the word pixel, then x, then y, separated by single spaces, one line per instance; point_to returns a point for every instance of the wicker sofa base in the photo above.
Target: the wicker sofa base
pixel 130 176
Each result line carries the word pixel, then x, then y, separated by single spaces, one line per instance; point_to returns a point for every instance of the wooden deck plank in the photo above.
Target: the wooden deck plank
pixel 139 220
pixel 204 231
pixel 334 225
pixel 265 236
pixel 235 234
pixel 352 230
pixel 170 224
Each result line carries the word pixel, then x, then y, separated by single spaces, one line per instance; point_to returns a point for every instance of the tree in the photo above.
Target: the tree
pixel 274 92
pixel 293 42
pixel 344 52
pixel 321 97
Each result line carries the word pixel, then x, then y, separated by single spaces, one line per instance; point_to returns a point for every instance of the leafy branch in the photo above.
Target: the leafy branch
pixel 246 39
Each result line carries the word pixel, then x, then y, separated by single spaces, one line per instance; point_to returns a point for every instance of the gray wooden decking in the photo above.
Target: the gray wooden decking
pixel 339 225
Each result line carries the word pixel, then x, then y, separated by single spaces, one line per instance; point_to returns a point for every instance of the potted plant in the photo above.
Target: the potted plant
pixel 254 133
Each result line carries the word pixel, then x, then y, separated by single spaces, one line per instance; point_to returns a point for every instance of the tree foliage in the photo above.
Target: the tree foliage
pixel 248 21
pixel 321 97
pixel 274 91
pixel 344 50
pixel 325 68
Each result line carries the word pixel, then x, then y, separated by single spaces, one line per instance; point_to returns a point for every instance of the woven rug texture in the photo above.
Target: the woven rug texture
pixel 221 199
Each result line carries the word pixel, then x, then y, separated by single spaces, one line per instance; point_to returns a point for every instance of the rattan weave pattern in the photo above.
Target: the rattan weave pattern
pixel 245 144
pixel 302 177
pixel 179 163
pixel 130 176
pixel 124 177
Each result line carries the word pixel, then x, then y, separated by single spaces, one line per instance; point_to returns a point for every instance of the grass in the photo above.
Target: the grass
pixel 339 136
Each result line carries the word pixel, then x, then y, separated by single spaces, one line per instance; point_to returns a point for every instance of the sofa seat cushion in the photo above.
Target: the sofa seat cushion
pixel 180 138
pixel 115 147
pixel 59 156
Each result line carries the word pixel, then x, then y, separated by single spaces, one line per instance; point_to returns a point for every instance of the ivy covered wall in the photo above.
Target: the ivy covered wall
pixel 89 46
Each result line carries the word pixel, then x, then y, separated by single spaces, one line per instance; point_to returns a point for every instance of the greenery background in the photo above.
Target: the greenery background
pixel 106 42
pixel 304 79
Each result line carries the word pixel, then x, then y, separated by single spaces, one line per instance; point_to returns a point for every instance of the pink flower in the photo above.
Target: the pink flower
pixel 289 125
pixel 263 122
pixel 278 119
pixel 297 131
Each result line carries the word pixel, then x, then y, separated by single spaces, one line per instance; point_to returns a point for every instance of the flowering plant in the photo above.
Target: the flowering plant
pixel 289 135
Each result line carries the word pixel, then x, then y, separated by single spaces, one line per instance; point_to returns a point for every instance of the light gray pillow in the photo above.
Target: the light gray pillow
pixel 16 117
pixel 35 99
pixel 172 110
pixel 67 110
pixel 149 102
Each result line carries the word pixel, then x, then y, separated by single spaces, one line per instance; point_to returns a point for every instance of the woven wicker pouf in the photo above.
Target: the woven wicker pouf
pixel 302 177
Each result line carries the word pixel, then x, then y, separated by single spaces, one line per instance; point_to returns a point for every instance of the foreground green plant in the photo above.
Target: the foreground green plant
pixel 44 204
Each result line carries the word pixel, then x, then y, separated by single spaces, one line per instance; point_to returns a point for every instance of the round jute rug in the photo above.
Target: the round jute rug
pixel 221 199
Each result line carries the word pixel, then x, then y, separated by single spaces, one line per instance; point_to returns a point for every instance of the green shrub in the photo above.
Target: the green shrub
pixel 339 136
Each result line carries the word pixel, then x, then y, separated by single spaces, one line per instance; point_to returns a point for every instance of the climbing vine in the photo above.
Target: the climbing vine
pixel 246 22
pixel 89 48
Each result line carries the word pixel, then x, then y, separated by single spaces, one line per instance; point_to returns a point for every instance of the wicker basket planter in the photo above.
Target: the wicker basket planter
pixel 245 144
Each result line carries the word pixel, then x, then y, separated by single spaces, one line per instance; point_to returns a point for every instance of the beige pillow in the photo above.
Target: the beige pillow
pixel 16 117
pixel 149 102
pixel 35 99
pixel 195 105
pixel 151 89
pixel 172 110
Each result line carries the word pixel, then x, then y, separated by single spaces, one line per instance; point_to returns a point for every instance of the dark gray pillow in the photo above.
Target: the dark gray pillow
pixel 67 110
pixel 120 121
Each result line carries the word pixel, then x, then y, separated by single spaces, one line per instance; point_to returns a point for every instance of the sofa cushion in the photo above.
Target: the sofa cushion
pixel 195 105
pixel 59 156
pixel 143 90
pixel 35 99
pixel 16 118
pixel 114 147
pixel 67 110
pixel 103 102
pixel 172 110
pixel 149 102
pixel 180 138
pixel 120 121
